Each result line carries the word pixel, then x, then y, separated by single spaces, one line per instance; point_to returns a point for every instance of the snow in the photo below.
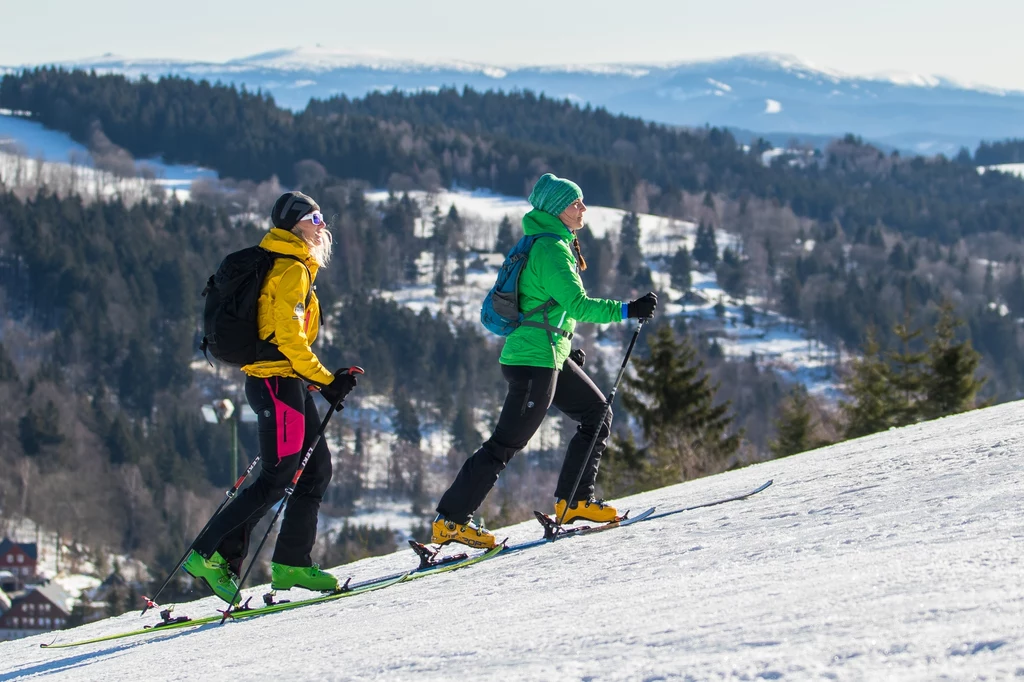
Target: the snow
pixel 918 80
pixel 720 85
pixel 777 341
pixel 772 106
pixel 18 132
pixel 1012 168
pixel 320 58
pixel 897 556
pixel 29 151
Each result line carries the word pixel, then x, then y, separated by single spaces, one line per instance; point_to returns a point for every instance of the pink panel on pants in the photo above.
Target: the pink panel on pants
pixel 291 426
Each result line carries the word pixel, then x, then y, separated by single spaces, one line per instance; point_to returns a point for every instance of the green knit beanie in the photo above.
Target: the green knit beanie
pixel 553 194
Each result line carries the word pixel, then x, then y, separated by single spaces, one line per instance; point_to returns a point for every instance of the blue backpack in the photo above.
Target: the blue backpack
pixel 500 312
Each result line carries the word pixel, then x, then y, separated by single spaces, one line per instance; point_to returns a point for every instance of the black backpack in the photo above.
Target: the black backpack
pixel 230 326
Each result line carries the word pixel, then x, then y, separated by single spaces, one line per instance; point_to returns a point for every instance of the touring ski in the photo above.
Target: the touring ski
pixel 169 623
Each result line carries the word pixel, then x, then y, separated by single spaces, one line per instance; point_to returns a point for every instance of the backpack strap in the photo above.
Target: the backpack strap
pixel 543 308
pixel 551 329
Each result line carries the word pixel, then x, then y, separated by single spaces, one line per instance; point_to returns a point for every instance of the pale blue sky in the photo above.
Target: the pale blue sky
pixel 977 40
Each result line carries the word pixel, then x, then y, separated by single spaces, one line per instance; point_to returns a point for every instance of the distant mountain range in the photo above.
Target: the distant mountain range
pixel 771 95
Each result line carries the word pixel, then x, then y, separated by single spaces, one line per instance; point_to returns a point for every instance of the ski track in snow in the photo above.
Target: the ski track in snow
pixel 898 556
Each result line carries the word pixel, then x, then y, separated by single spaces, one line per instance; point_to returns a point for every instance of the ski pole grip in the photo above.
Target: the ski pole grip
pixel 354 369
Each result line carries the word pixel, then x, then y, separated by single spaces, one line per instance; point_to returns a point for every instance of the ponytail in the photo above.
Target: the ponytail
pixel 581 262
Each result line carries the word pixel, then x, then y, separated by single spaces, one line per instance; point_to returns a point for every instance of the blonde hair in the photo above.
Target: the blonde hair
pixel 321 253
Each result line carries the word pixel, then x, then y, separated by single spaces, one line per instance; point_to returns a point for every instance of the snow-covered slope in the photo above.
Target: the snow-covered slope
pixel 898 556
pixel 1011 168
pixel 777 96
pixel 33 154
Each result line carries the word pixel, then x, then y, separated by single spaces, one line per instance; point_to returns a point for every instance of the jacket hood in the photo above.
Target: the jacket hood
pixel 537 222
pixel 289 244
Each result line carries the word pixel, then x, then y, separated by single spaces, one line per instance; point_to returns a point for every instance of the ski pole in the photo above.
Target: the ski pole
pixel 289 489
pixel 151 601
pixel 604 415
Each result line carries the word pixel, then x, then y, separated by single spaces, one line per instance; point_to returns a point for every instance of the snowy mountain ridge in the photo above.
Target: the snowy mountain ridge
pixel 776 96
pixel 326 58
pixel 896 556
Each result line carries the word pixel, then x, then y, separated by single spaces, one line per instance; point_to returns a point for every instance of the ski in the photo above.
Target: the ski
pixel 735 498
pixel 167 623
pixel 646 515
pixel 552 531
pixel 429 565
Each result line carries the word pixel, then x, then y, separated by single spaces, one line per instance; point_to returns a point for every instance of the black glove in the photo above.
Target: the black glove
pixel 338 390
pixel 643 307
pixel 578 356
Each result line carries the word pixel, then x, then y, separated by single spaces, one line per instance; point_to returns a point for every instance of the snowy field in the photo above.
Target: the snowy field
pixel 1012 168
pixel 33 154
pixel 893 557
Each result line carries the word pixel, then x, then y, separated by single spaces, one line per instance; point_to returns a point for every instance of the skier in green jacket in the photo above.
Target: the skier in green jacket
pixel 542 369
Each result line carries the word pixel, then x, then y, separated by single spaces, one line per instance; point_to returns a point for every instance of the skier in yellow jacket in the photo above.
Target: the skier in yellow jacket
pixel 289 315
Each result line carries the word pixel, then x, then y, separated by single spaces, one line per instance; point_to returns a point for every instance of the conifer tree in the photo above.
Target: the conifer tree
pixel 870 387
pixel 906 375
pixel 405 420
pixel 680 269
pixel 506 240
pixel 705 248
pixel 793 425
pixel 8 372
pixel 949 385
pixel 631 257
pixel 673 398
pixel 465 437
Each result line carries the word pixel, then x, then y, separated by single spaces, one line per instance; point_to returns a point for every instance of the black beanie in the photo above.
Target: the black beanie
pixel 290 208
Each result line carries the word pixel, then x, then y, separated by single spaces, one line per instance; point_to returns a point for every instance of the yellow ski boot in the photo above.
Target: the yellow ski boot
pixel 470 534
pixel 585 510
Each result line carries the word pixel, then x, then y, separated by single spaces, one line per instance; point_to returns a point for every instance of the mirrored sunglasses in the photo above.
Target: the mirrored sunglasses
pixel 315 217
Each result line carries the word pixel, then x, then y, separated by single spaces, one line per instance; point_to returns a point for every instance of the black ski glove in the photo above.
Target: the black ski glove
pixel 338 390
pixel 578 356
pixel 643 307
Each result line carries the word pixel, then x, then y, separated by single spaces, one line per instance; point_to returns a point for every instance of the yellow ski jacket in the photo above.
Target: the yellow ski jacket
pixel 283 313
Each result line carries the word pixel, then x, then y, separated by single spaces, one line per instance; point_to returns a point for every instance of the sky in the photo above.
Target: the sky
pixel 892 557
pixel 976 42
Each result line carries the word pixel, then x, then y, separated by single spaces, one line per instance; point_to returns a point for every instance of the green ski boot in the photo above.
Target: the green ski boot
pixel 310 577
pixel 215 573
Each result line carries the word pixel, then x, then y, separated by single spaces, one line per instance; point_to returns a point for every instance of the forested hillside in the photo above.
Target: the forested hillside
pixel 101 300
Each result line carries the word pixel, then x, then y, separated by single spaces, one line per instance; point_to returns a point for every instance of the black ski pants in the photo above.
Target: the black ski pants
pixel 531 391
pixel 287 422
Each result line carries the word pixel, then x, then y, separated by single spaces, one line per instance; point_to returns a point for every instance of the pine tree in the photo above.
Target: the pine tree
pixel 406 421
pixel 793 425
pixel 506 240
pixel 630 255
pixel 39 428
pixel 465 437
pixel 705 248
pixel 672 398
pixel 906 375
pixel 950 385
pixel 8 372
pixel 871 389
pixel 731 273
pixel 680 269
